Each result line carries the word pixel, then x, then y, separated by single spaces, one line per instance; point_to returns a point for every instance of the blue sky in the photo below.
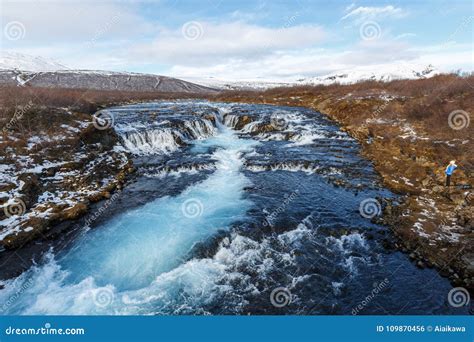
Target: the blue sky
pixel 241 39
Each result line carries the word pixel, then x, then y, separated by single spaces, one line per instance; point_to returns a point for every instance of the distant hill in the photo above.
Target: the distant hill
pixel 382 73
pixel 99 80
pixel 24 70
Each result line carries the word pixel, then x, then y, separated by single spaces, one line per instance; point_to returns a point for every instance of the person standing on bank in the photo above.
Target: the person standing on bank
pixel 449 171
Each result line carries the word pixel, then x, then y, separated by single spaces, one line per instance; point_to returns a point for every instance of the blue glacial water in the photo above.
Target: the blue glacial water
pixel 232 216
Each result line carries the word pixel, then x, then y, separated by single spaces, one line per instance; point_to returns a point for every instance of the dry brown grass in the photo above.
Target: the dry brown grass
pixel 424 104
pixel 84 101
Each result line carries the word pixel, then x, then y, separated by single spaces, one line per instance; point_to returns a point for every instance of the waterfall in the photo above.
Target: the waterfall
pixel 251 127
pixel 151 141
pixel 231 120
pixel 135 262
pixel 144 141
pixel 199 129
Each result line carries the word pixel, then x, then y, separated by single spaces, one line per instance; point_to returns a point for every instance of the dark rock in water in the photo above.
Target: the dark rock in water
pixel 208 248
pixel 243 120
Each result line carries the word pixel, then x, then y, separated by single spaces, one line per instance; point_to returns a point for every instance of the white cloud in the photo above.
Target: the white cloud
pixel 361 14
pixel 303 63
pixel 53 22
pixel 229 48
pixel 351 6
pixel 405 35
pixel 215 43
pixel 372 55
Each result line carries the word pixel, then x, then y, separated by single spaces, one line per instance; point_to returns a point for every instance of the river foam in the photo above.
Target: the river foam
pixel 141 251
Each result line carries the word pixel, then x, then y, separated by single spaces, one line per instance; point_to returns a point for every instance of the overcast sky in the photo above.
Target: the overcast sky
pixel 241 39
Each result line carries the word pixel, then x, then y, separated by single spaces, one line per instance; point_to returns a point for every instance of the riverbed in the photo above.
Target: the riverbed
pixel 235 209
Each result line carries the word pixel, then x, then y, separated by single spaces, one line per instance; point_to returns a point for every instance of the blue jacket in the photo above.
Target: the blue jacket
pixel 450 169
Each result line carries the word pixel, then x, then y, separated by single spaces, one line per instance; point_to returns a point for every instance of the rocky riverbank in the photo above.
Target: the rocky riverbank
pixel 59 166
pixel 410 130
pixel 55 163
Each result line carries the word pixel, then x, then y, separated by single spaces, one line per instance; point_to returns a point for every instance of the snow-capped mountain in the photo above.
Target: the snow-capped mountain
pixel 24 70
pixel 382 73
pixel 19 61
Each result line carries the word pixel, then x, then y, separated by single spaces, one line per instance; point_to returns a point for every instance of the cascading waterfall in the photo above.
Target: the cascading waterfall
pixel 141 261
pixel 251 127
pixel 231 120
pixel 227 219
pixel 200 129
pixel 165 140
pixel 150 141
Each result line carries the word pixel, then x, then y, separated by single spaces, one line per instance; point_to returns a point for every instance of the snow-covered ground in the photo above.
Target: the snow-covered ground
pixel 52 175
pixel 14 60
